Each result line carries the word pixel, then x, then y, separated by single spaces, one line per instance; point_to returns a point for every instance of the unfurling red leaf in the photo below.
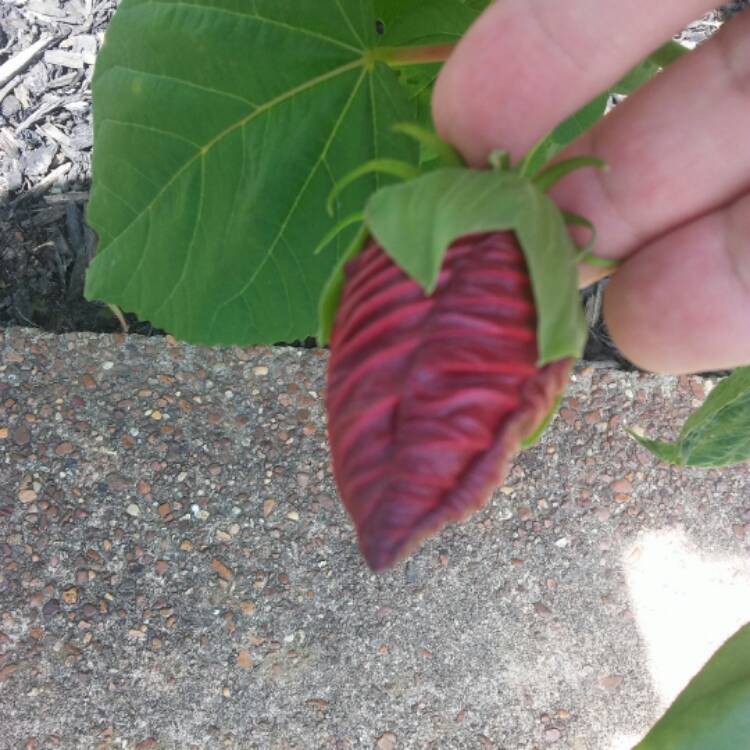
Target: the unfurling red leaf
pixel 429 396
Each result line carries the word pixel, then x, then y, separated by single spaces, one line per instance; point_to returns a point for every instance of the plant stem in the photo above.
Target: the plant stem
pixel 398 56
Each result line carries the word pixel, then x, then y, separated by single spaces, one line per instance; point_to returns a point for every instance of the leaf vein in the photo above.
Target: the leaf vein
pixel 349 23
pixel 152 129
pixel 263 19
pixel 180 81
pixel 296 201
pixel 188 253
pixel 262 109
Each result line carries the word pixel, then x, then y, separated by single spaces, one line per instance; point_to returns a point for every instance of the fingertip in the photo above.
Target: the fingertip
pixel 457 120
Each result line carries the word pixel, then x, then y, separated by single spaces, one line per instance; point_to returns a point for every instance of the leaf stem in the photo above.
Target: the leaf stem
pixel 399 56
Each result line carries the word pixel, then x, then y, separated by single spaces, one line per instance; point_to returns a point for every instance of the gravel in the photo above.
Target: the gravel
pixel 176 571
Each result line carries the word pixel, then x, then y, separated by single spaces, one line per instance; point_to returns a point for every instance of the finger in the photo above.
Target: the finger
pixel 682 304
pixel 676 150
pixel 528 64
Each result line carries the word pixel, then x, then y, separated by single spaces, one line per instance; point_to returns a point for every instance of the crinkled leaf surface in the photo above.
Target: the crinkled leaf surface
pixel 716 434
pixel 220 128
pixel 713 712
pixel 416 222
pixel 429 396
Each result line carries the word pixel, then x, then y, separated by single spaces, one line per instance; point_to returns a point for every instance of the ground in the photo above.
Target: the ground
pixel 177 572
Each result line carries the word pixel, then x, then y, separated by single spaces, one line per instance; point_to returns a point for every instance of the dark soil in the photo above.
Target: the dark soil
pixel 45 148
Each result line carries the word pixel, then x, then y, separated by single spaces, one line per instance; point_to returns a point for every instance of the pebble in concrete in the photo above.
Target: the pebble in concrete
pixel 191 582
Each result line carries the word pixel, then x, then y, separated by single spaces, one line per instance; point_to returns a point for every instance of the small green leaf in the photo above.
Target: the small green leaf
pixel 646 70
pixel 564 134
pixel 432 143
pixel 716 434
pixel 394 167
pixel 335 231
pixel 532 439
pixel 576 220
pixel 592 112
pixel 669 452
pixel 551 175
pixel 635 78
pixel 668 53
pixel 728 390
pixel 330 297
pixel 416 223
pixel 595 260
pixel 713 712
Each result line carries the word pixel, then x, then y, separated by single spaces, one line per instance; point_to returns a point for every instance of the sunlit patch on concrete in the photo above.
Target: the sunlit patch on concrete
pixel 686 604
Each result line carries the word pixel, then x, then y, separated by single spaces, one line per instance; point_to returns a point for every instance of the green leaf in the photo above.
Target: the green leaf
pixel 592 112
pixel 416 222
pixel 550 176
pixel 220 127
pixel 431 143
pixel 669 452
pixel 714 709
pixel 531 440
pixel 668 53
pixel 635 78
pixel 646 70
pixel 344 224
pixel 716 434
pixel 724 394
pixel 331 295
pixel 584 252
pixel 564 134
pixel 423 22
pixel 478 5
pixel 401 169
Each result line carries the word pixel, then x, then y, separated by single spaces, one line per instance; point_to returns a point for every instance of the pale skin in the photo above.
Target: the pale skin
pixel 674 206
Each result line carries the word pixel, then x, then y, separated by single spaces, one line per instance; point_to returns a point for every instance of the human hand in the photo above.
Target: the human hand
pixel 675 205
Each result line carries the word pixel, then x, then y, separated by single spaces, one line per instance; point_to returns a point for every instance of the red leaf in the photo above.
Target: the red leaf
pixel 429 397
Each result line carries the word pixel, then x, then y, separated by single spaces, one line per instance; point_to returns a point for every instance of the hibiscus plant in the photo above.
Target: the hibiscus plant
pixel 266 171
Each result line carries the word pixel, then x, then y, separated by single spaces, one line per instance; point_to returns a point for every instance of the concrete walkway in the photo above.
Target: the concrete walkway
pixel 176 572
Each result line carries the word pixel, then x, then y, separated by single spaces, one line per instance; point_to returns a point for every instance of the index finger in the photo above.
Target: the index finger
pixel 526 65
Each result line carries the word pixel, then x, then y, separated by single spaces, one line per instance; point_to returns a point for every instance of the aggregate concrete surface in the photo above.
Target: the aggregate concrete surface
pixel 176 571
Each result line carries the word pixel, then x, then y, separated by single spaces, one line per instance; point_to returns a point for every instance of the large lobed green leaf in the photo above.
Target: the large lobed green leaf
pixel 417 221
pixel 220 127
pixel 716 434
pixel 713 712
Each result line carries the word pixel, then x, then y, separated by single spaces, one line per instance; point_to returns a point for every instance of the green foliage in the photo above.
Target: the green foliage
pixel 417 221
pixel 714 710
pixel 591 113
pixel 422 22
pixel 566 133
pixel 220 128
pixel 717 434
pixel 331 295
